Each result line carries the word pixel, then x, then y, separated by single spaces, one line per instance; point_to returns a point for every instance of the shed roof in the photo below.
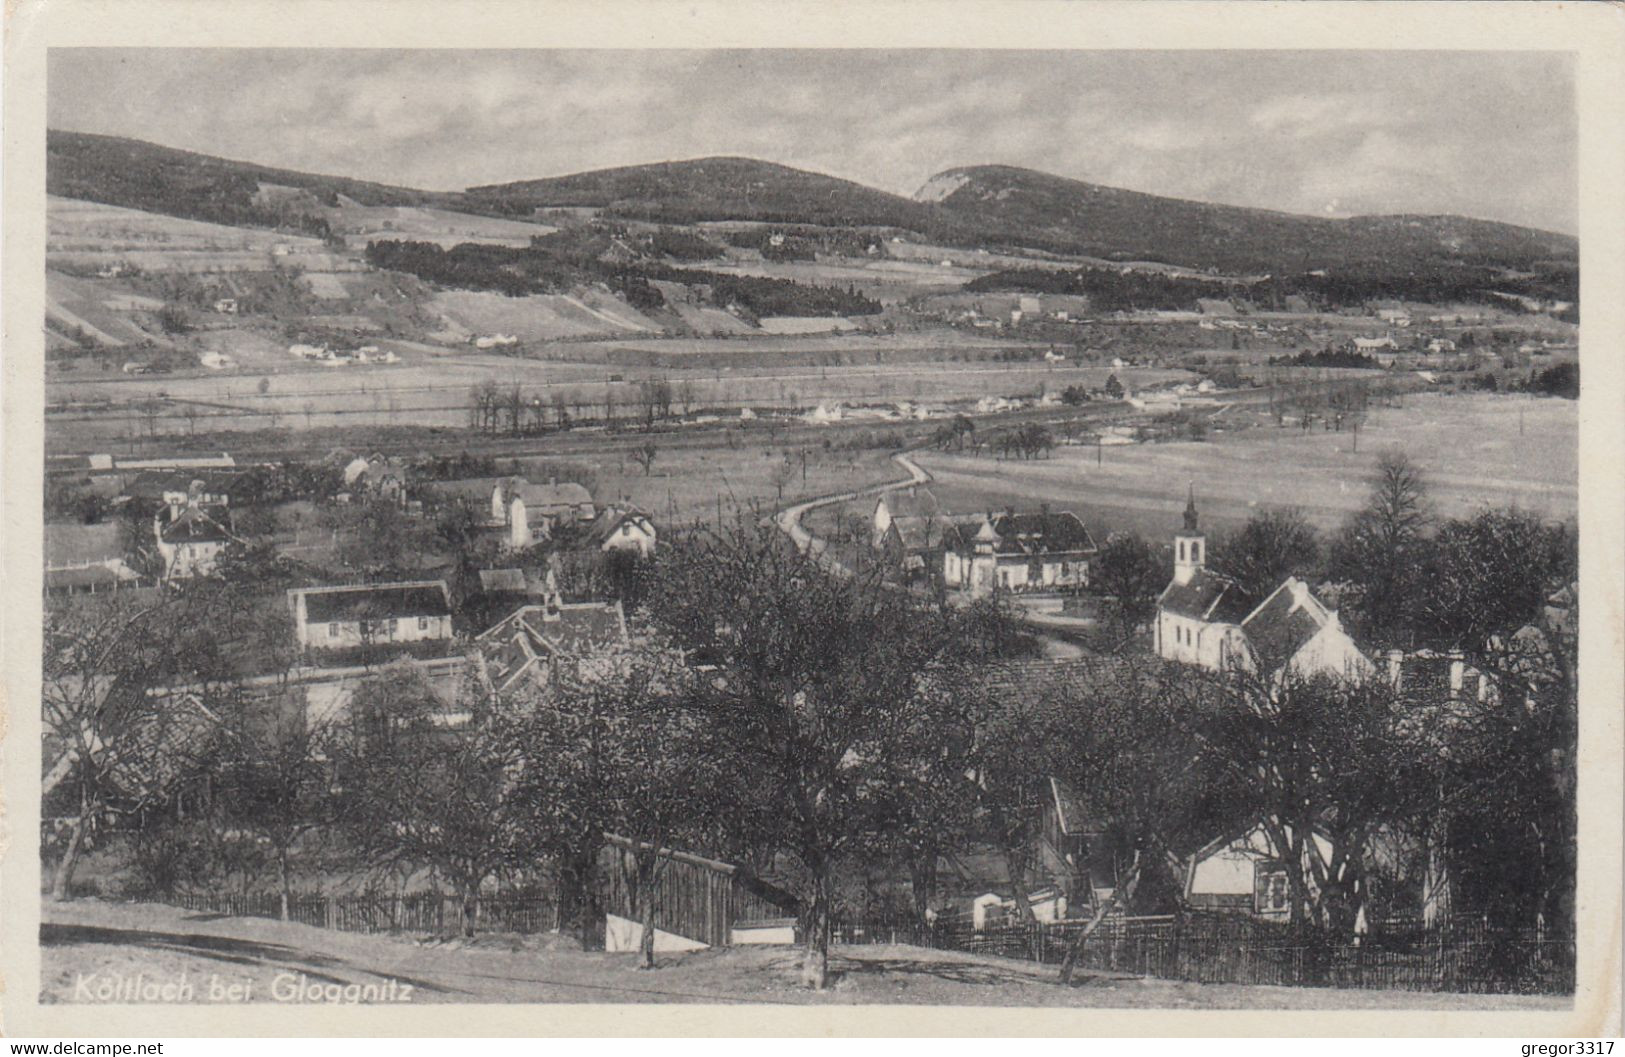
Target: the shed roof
pixel 70 543
pixel 197 524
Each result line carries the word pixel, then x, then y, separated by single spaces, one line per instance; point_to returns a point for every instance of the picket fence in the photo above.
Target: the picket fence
pixel 1467 957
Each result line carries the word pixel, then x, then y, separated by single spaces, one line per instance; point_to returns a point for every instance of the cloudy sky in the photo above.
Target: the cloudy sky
pixel 1490 135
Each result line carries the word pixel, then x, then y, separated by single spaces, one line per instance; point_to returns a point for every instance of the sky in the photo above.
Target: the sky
pixel 1483 134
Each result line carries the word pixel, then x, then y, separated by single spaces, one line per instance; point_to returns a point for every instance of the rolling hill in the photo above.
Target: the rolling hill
pixel 989 207
pixel 1061 213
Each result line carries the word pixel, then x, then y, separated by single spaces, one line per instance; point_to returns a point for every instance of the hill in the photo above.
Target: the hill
pixel 684 192
pixel 1055 212
pixel 135 174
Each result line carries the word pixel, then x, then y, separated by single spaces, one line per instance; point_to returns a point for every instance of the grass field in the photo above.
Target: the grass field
pixel 1470 448
pixel 86 942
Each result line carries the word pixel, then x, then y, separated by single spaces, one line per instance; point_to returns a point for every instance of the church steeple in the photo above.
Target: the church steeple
pixel 1189 543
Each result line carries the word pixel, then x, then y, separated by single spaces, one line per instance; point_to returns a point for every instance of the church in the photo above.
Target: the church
pixel 1202 621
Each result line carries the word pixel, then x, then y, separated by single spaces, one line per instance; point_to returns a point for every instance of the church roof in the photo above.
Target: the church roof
pixel 1284 622
pixel 1206 596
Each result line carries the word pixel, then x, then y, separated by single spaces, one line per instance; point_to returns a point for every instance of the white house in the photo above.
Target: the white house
pixel 623 530
pixel 191 534
pixel 1243 872
pixel 342 618
pixel 1041 550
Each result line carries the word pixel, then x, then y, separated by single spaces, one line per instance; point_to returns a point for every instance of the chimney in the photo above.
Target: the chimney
pixel 1458 667
pixel 1396 662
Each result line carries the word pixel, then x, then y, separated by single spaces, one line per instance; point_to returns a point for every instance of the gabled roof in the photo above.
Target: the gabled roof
pixel 1284 622
pixel 609 522
pixel 351 604
pixel 1035 533
pixel 1206 596
pixel 533 634
pixel 912 502
pixel 558 493
pixel 510 581
pixel 153 484
pixel 1069 809
pixel 197 524
pixel 926 532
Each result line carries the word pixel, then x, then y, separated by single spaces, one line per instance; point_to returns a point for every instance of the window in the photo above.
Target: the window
pixel 423 623
pixel 332 631
pixel 1271 893
pixel 1181 550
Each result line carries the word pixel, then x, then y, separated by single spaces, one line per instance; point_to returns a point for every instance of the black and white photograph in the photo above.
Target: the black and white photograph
pixel 952 527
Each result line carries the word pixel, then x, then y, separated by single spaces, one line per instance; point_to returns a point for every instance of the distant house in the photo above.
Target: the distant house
pixel 540 643
pixel 1201 621
pixel 519 512
pixel 623 530
pixel 156 488
pixel 226 305
pixel 378 477
pixel 366 615
pixel 191 533
pixel 1040 550
pixel 903 502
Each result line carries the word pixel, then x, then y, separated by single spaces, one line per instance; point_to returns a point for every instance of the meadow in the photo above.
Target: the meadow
pixel 1475 451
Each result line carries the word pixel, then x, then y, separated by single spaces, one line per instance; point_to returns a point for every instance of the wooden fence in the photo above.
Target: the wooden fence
pixel 428 912
pixel 1237 949
pixel 700 898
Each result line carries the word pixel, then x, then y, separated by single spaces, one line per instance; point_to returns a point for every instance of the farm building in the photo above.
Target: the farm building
pixel 1035 551
pixel 1242 872
pixel 378 477
pixel 699 902
pixel 520 512
pixel 363 615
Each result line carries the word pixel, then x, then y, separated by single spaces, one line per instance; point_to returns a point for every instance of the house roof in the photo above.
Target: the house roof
pixel 69 543
pixel 329 605
pixel 197 524
pixel 558 493
pixel 88 576
pixel 503 580
pixel 1206 596
pixel 533 633
pixel 152 484
pixel 1284 622
pixel 609 522
pixel 912 502
pixel 1033 533
pixel 1069 809
pixel 919 533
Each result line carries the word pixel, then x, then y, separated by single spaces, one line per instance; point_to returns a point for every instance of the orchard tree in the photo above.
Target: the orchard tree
pixel 817 684
pixel 1131 574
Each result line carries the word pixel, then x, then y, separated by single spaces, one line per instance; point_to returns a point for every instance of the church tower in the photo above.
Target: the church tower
pixel 1190 546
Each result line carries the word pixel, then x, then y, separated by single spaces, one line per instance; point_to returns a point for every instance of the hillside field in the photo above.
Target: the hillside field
pixel 1469 448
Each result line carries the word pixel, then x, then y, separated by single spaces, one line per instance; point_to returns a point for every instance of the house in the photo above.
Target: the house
pixel 1243 872
pixel 991 909
pixel 215 361
pixel 226 305
pixel 1372 345
pixel 378 477
pixel 538 643
pixel 367 615
pixel 519 512
pixel 623 530
pixel 154 488
pixel 917 501
pixel 1072 850
pixel 1202 621
pixel 191 533
pixel 1042 550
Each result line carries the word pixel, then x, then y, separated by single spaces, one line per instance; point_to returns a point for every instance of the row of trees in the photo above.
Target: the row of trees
pixel 496 408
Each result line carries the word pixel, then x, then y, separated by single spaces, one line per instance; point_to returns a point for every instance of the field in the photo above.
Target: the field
pixel 89 233
pixel 1475 451
pixel 85 943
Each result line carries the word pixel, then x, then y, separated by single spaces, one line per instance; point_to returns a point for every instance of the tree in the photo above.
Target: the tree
pixel 624 746
pixel 644 455
pixel 272 779
pixel 1274 544
pixel 1114 388
pixel 423 791
pixel 817 684
pixel 1490 574
pixel 1377 552
pixel 1131 574
pixel 1324 765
